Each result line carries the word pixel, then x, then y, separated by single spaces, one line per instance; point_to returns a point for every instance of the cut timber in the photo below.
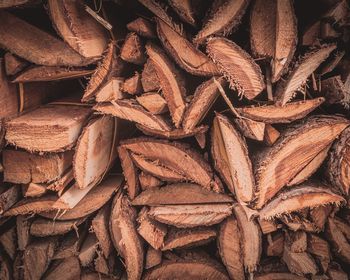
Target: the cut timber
pixel 229 149
pixel 268 226
pixel 223 18
pixel 14 64
pixel 152 231
pixel 188 238
pixel 9 195
pixel 307 195
pixel 306 65
pixel 22 167
pixel 251 129
pixel 333 89
pixel 129 171
pixel 32 205
pixel 100 227
pixel 238 67
pixel 296 241
pixel 43 227
pixel 330 64
pixel 229 245
pixel 185 9
pixel 148 181
pixel 130 110
pixel 38 256
pixel 271 135
pixel 66 269
pixel 311 34
pixel 23 228
pixel 80 30
pixel 142 27
pixel 177 133
pixel 8 241
pixel 153 102
pixel 180 193
pixel 175 156
pixel 153 257
pixel 35 45
pixel 251 239
pixel 189 216
pixel 62 183
pixel 50 128
pixel 187 269
pixel 171 82
pixel 125 237
pixel 70 245
pixel 133 50
pixel 311 136
pixel 319 216
pixel 133 85
pixel 204 97
pixel 338 163
pixel 90 203
pixel 340 244
pixel 186 55
pixel 50 73
pixel 319 248
pixel 149 78
pixel 88 250
pixel 112 90
pixel 275 244
pixel 275 114
pixel 273 33
pixel 95 151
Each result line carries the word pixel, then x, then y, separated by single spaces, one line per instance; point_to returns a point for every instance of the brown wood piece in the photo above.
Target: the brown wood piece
pixel 111 90
pixel 88 250
pixel 133 49
pixel 148 181
pixel 149 78
pixel 142 27
pixel 14 64
pixel 153 257
pixel 153 102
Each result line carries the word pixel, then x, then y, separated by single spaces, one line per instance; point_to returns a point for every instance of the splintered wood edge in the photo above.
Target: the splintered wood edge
pixel 185 13
pixel 32 205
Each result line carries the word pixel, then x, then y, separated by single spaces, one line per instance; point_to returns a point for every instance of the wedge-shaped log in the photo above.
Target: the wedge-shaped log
pixel 148 181
pixel 189 216
pixel 71 244
pixel 180 193
pixel 175 156
pixel 230 154
pixel 184 52
pixel 133 85
pixel 111 90
pixel 230 248
pixel 125 237
pixel 223 18
pixel 153 257
pixel 149 78
pixel 133 50
pixel 307 195
pixel 311 136
pixel 241 71
pixel 186 10
pixel 306 65
pixel 132 111
pixel 51 128
pixel 9 195
pixel 273 33
pixel 170 81
pixel 31 206
pixel 23 231
pixel 8 241
pixel 14 64
pixel 22 167
pixel 338 239
pixel 319 248
pixel 251 129
pixel 142 27
pixel 35 45
pixel 153 102
pixel 88 250
pixel 66 269
pixel 43 227
pixel 100 226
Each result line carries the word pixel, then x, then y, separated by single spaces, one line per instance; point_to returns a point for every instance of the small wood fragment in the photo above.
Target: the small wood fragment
pixel 14 64
pixel 43 227
pixel 112 90
pixel 88 250
pixel 133 84
pixel 148 181
pixel 251 129
pixel 271 135
pixel 275 243
pixel 153 102
pixel 9 195
pixel 34 189
pixel 133 50
pixel 142 27
pixel 333 89
pixel 149 78
pixel 153 257
pixel 66 269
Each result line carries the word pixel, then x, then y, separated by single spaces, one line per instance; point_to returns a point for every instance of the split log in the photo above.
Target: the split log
pixel 23 228
pixel 251 129
pixel 31 206
pixel 8 197
pixel 8 241
pixel 14 64
pixel 177 133
pixel 5 268
pixel 133 50
pixel 70 245
pixel 186 10
pixel 66 269
pixel 149 78
pixel 153 257
pixel 333 89
pixel 319 248
pixel 133 84
pixel 34 190
pixel 43 227
pixel 88 250
pixel 147 181
pixel 275 244
pixel 153 102
pixel 142 27
pixel 112 90
pixel 336 236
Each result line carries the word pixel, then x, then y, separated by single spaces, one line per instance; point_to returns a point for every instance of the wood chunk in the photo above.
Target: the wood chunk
pixel 130 110
pixel 153 257
pixel 184 52
pixel 177 194
pixel 8 241
pixel 189 216
pixel 23 227
pixel 149 78
pixel 61 183
pixel 35 45
pixel 297 241
pixel 100 264
pixel 319 216
pixel 243 74
pixel 70 245
pixel 43 227
pixel 8 197
pixel 95 152
pixel 34 189
pixel 133 50
pixel 338 14
pixel 142 27
pixel 319 248
pixel 153 102
pixel 230 248
pixel 271 135
pixel 66 269
pixel 171 82
pixel 230 150
pixel 251 129
pixel 333 89
pixel 112 90
pixel 50 73
pixel 14 64
pixel 204 97
pixel 17 268
pixel 185 9
pixel 100 227
pixel 38 256
pixel 88 250
pixel 223 18
pixel 32 205
pixel 148 181
pixel 268 226
pixel 133 84
pixel 335 272
pixel 340 245
pixel 275 243
pixel 91 202
pixel 306 195
pixel 188 238
pixel 187 269
pixel 278 276
pixel 201 139
pixel 275 114
pixel 124 235
pixel 51 128
pixel 152 231
pixel 306 65
pixel 6 271
pixel 273 34
pixel 330 64
pixel 311 34
pixel 295 221
pixel 21 167
pixel 175 156
pixel 311 136
pixel 343 227
pixel 81 31
pixel 251 239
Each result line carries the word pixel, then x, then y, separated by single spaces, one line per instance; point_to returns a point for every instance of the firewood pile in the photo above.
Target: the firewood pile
pixel 174 139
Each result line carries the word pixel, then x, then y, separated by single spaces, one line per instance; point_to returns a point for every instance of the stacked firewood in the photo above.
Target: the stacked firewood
pixel 177 139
